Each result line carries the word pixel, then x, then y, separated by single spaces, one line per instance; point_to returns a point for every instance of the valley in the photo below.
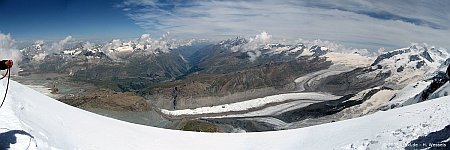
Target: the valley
pixel 222 87
pixel 224 74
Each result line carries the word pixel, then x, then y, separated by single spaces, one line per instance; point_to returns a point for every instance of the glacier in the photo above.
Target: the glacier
pixel 32 120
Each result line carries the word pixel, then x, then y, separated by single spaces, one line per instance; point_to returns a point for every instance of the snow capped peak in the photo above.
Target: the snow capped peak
pixel 318 50
pixel 38 45
pixel 58 46
pixel 144 38
pixel 416 54
pixel 116 49
pixel 111 46
pixel 410 64
pixel 233 42
pixel 88 49
pixel 259 41
pixel 88 45
pixel 256 50
pixel 144 44
pixel 263 44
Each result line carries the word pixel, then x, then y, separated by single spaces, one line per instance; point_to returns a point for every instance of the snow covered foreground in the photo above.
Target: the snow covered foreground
pixel 54 125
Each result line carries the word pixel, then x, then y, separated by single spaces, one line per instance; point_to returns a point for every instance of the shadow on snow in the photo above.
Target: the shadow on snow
pixel 9 137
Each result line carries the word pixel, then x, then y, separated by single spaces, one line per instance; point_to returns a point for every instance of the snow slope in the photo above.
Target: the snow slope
pixel 55 125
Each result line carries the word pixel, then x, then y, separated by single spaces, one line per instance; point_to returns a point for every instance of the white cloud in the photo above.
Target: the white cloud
pixel 262 41
pixel 360 24
pixel 164 44
pixel 336 47
pixel 254 43
pixel 114 44
pixel 39 42
pixel 117 48
pixel 57 47
pixel 39 57
pixel 88 45
pixel 254 55
pixel 253 46
pixel 8 51
pixel 6 42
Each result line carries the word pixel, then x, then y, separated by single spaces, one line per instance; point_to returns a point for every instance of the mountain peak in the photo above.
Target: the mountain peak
pixel 233 42
pixel 413 53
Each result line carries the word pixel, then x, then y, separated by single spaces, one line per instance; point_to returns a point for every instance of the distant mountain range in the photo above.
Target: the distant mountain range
pixel 173 76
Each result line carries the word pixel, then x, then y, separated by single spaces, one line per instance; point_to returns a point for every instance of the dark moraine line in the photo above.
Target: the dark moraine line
pixel 325 108
pixel 315 110
pixel 345 83
pixel 311 111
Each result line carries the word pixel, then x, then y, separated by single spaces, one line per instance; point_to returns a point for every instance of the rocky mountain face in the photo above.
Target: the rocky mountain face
pixel 394 69
pixel 394 79
pixel 138 72
pixel 434 86
pixel 229 71
pixel 230 55
pixel 115 71
pixel 131 66
pixel 235 70
pixel 267 79
pixel 222 73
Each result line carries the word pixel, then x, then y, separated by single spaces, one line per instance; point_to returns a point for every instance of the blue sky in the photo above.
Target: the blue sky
pixel 56 19
pixel 356 23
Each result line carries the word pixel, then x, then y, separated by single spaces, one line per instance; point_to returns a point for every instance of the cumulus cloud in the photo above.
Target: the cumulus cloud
pixel 117 49
pixel 253 46
pixel 253 55
pixel 381 50
pixel 57 47
pixel 8 51
pixel 164 44
pixel 107 48
pixel 357 23
pixel 39 57
pixel 45 49
pixel 39 42
pixel 88 45
pixel 6 42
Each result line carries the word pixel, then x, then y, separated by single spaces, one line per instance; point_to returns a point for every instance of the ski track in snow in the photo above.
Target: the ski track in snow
pixel 399 138
pixel 9 122
pixel 55 125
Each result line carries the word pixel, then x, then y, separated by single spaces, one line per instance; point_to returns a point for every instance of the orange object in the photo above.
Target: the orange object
pixel 6 64
pixel 9 63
